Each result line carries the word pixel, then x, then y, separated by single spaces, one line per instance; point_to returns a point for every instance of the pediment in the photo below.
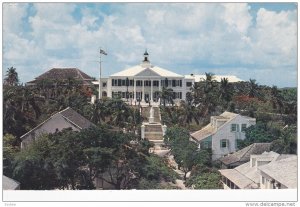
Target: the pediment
pixel 147 72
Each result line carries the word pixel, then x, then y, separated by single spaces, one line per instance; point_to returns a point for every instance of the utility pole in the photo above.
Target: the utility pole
pixel 104 53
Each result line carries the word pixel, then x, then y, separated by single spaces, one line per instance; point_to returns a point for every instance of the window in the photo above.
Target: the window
pixel 123 82
pixel 104 84
pixel 234 127
pixel 263 180
pixel 188 84
pixel 243 128
pixel 155 83
pixel 119 82
pixel 139 83
pixel 224 143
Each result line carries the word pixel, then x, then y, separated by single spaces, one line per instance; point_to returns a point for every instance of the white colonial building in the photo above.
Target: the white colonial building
pixel 222 133
pixel 143 82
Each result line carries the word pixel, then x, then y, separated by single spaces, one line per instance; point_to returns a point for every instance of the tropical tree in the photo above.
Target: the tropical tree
pixel 33 167
pixel 287 142
pixel 253 89
pixel 189 113
pixel 167 95
pixel 11 77
pixel 186 153
pixel 226 92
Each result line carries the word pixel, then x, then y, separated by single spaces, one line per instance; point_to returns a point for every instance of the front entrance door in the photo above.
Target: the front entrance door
pixel 147 98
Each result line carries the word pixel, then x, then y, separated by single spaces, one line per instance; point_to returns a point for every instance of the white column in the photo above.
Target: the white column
pixel 134 90
pixel 143 95
pixel 183 90
pixel 151 96
pixel 159 85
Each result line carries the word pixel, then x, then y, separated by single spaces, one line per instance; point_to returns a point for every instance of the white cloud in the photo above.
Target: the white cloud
pixel 12 17
pixel 181 37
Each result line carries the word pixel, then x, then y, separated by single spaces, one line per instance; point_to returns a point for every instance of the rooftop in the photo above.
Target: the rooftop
pixel 64 74
pixel 243 155
pixel 209 129
pixel 283 170
pixel 71 116
pixel 146 70
pixel 245 176
pixel 9 184
pixel 197 78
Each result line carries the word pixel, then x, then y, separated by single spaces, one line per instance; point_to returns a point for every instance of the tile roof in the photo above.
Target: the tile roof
pixel 283 170
pixel 9 184
pixel 63 74
pixel 243 155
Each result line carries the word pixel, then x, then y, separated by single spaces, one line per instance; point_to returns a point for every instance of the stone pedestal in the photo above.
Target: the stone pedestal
pixel 164 129
pixel 143 131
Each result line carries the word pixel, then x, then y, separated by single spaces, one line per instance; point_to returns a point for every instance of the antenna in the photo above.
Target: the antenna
pixel 102 52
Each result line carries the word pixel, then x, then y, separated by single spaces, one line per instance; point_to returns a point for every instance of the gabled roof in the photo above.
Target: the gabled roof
pixel 139 69
pixel 243 155
pixel 71 116
pixel 283 170
pixel 197 78
pixel 76 118
pixel 209 129
pixel 9 184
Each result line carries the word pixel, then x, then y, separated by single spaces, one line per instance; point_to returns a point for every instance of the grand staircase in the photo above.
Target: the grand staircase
pixel 153 131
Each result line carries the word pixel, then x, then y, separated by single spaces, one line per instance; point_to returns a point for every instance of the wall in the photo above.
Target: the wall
pixel 224 132
pixel 57 122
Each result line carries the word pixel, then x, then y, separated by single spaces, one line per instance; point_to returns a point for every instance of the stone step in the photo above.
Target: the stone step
pixel 151 128
pixel 154 136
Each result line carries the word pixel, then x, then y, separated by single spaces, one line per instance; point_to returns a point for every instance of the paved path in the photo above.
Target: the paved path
pixel 174 165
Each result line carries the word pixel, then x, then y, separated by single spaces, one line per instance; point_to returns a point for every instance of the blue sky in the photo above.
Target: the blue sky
pixel 255 40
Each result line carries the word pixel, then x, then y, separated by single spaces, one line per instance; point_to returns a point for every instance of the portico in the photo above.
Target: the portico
pixel 143 83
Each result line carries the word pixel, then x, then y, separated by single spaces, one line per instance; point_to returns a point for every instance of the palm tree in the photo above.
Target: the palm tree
pixel 253 90
pixel 167 95
pixel 97 112
pixel 276 99
pixel 11 78
pixel 225 91
pixel 188 113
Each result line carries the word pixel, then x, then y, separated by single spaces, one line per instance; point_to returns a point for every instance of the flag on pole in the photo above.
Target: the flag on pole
pixel 103 52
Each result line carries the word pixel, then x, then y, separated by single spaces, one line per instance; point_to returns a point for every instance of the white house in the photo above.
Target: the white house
pixel 222 133
pixel 67 118
pixel 143 83
pixel 272 176
pixel 264 171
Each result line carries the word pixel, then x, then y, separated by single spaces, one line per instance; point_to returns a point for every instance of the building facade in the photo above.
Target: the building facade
pixel 144 82
pixel 264 171
pixel 67 118
pixel 222 133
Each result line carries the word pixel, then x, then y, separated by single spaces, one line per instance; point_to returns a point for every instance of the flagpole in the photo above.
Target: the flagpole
pixel 104 53
pixel 100 76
